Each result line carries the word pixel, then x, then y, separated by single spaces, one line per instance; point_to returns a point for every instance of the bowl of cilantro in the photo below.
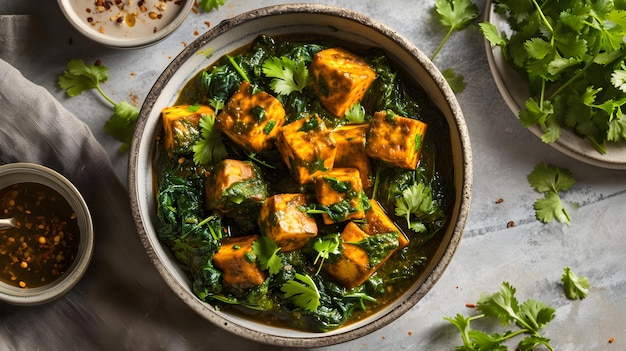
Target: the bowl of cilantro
pixel 566 87
pixel 300 175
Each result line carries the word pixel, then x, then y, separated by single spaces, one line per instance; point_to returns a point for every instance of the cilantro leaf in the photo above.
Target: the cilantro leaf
pixel 546 178
pixel 303 292
pixel 416 204
pixel 121 125
pixel 326 246
pixel 551 207
pixel 80 77
pixel 288 75
pixel 456 14
pixel 355 114
pixel 209 5
pixel 575 287
pixel 266 251
pixel 456 82
pixel 210 148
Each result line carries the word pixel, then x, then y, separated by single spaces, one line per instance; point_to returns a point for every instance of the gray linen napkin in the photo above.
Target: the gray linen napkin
pixel 121 302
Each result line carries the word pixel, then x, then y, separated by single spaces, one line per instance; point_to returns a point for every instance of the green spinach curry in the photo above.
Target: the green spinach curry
pixel 302 183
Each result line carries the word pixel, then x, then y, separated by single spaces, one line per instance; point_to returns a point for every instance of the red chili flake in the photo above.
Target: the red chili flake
pixel 470 305
pixel 611 340
pixel 98 62
pixel 510 224
pixel 195 10
pixel 410 333
pixel 208 24
pixel 500 200
pixel 195 32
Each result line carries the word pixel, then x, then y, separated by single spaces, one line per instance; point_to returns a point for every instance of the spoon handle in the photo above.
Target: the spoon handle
pixel 7 223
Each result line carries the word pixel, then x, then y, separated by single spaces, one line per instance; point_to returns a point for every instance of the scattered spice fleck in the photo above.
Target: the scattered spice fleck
pixel 510 224
pixel 611 340
pixel 410 333
pixel 500 200
pixel 195 32
pixel 98 62
pixel 195 10
pixel 470 305
pixel 208 24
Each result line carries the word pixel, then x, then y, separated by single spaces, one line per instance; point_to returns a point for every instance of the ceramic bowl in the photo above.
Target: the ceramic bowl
pixel 337 23
pixel 132 24
pixel 19 174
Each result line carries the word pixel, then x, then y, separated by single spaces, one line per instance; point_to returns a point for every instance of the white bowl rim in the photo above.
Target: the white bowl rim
pixel 32 172
pixel 463 198
pixel 123 43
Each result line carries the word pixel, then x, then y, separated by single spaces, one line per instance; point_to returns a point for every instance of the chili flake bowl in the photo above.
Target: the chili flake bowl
pixel 127 24
pixel 310 19
pixel 51 245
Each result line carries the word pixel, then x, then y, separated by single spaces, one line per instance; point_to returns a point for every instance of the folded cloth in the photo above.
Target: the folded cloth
pixel 121 302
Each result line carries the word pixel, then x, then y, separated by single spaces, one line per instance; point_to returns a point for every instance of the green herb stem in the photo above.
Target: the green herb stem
pixel 442 43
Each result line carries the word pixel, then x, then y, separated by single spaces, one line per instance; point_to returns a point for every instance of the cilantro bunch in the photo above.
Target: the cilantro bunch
pixel 574 58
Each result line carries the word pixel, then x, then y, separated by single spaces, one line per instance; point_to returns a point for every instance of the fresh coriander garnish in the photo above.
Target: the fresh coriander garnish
pixel 527 319
pixel 210 5
pixel 455 15
pixel 289 76
pixel 355 114
pixel 80 77
pixel 266 251
pixel 417 204
pixel 303 292
pixel 550 180
pixel 210 148
pixel 326 246
pixel 571 53
pixel 575 287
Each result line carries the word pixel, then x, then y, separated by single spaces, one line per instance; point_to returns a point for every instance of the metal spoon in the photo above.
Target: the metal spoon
pixel 7 223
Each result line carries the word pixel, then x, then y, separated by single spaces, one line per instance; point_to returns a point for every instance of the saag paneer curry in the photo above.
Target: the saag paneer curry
pixel 302 183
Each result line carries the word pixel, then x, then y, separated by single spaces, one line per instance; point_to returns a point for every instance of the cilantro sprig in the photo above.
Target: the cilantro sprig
pixel 80 77
pixel 266 252
pixel 416 204
pixel 571 53
pixel 326 246
pixel 456 15
pixel 210 148
pixel 527 319
pixel 550 180
pixel 303 292
pixel 210 5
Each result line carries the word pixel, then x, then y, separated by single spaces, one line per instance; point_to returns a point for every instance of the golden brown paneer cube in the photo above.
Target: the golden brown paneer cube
pixel 378 222
pixel 352 268
pixel 283 221
pixel 351 140
pixel 251 119
pixel 341 192
pixel 235 188
pixel 181 127
pixel 340 79
pixel 395 139
pixel 236 260
pixel 307 147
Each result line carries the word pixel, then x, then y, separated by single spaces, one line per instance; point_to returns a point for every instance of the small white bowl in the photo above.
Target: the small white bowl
pixel 16 173
pixel 132 24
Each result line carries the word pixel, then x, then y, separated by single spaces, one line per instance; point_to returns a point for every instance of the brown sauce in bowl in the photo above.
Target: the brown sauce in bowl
pixel 44 242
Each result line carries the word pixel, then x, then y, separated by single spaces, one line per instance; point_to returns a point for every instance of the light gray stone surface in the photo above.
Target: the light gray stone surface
pixel 530 256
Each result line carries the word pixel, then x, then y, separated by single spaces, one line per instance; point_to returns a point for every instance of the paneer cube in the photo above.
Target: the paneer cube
pixel 282 221
pixel 237 190
pixel 340 79
pixel 341 191
pixel 251 119
pixel 181 127
pixel 395 139
pixel 356 264
pixel 352 268
pixel 307 147
pixel 237 262
pixel 351 140
pixel 378 222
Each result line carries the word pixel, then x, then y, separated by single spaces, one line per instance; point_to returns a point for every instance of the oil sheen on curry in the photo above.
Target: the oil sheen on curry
pixel 302 182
